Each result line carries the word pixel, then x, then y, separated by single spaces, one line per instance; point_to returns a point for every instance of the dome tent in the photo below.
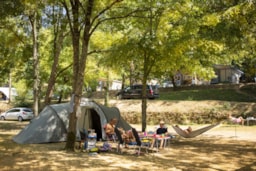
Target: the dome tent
pixel 51 124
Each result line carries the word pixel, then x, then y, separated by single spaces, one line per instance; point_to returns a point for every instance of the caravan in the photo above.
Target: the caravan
pixel 5 93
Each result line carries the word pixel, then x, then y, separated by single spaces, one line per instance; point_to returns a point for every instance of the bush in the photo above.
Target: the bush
pixel 22 102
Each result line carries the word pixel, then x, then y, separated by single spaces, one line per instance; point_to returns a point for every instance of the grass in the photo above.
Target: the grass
pixel 250 89
pixel 211 94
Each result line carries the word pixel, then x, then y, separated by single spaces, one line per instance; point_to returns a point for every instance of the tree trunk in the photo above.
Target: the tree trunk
pixel 79 60
pixel 71 134
pixel 36 99
pixel 106 88
pixel 144 114
pixel 79 63
pixel 144 93
pixel 10 88
pixel 57 47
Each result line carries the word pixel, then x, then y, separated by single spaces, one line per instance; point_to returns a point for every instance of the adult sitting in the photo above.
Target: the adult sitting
pixel 127 136
pixel 162 130
pixel 238 120
pixel 110 128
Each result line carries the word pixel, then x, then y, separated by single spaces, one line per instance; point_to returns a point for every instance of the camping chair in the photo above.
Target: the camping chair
pixel 140 143
pixel 136 144
pixel 120 140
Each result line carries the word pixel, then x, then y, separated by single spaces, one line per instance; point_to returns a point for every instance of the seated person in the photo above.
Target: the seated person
pixel 187 131
pixel 127 136
pixel 110 128
pixel 160 131
pixel 236 120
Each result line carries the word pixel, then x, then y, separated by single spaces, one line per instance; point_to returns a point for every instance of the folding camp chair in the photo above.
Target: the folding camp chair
pixel 136 145
pixel 120 140
pixel 140 143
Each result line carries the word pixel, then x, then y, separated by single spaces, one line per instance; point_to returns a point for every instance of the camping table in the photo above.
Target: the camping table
pixel 250 119
pixel 157 138
pixel 166 139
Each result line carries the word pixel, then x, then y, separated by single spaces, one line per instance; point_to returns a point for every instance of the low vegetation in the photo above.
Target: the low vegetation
pixel 192 106
pixel 185 106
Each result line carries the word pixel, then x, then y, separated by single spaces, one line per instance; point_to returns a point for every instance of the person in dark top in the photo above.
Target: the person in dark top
pixel 161 131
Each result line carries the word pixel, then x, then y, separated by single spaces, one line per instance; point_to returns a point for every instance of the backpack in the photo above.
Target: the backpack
pixel 106 147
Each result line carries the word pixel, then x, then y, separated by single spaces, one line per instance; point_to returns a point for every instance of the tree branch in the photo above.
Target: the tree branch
pixel 68 15
pixel 114 18
pixel 64 69
pixel 97 51
pixel 104 10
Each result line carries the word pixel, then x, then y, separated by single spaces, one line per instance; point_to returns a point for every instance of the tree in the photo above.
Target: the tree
pixel 59 23
pixel 11 40
pixel 143 44
pixel 33 14
pixel 84 18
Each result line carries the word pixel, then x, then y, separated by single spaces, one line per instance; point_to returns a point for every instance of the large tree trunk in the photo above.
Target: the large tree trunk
pixel 79 63
pixel 36 99
pixel 74 27
pixel 79 60
pixel 144 113
pixel 144 93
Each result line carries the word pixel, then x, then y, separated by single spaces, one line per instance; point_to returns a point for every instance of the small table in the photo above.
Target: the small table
pixel 156 138
pixel 250 119
pixel 165 140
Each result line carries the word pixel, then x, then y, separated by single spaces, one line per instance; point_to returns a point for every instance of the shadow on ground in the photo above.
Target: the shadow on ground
pixel 202 153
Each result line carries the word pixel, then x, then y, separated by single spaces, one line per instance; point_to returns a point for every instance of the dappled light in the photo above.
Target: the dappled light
pixel 218 149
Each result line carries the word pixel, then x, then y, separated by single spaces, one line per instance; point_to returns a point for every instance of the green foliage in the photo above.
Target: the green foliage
pixel 134 39
pixel 10 8
pixel 22 103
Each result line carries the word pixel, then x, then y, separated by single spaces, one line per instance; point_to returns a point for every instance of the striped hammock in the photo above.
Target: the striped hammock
pixel 195 132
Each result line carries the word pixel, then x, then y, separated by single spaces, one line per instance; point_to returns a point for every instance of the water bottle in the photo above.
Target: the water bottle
pixel 92 139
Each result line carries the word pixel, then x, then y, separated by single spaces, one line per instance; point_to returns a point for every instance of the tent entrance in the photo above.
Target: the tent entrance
pixel 90 120
pixel 96 124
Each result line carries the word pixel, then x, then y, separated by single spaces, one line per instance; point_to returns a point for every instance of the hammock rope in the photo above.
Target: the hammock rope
pixel 195 132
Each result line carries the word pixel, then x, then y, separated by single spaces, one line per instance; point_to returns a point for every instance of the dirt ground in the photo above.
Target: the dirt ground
pixel 225 148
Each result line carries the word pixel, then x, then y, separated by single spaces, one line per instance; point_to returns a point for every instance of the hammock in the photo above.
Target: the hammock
pixel 195 132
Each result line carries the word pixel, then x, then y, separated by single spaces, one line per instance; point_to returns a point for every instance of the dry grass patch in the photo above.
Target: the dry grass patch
pixel 216 150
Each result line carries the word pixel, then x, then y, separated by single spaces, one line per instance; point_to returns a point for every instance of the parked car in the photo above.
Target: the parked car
pixel 18 113
pixel 135 92
pixel 167 84
pixel 156 91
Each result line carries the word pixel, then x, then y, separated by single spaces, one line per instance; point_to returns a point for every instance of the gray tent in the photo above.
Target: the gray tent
pixel 51 124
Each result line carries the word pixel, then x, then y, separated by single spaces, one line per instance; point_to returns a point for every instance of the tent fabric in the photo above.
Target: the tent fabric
pixel 195 132
pixel 52 123
pixel 49 126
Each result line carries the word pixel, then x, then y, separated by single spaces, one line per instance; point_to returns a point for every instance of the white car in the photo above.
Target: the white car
pixel 18 113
